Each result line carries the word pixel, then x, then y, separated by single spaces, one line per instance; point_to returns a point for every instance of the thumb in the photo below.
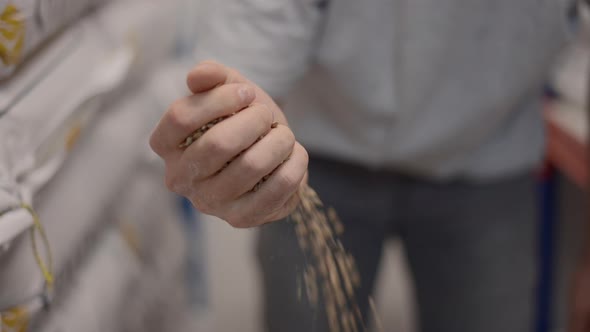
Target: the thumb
pixel 210 74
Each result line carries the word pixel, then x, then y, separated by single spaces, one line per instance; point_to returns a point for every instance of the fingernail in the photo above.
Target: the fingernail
pixel 246 93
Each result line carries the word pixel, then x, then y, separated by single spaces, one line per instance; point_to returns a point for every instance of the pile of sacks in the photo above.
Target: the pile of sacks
pixel 90 240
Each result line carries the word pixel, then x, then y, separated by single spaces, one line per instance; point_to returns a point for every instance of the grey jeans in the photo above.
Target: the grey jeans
pixel 470 248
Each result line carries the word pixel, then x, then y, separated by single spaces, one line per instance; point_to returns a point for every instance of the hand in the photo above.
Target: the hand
pixel 219 171
pixel 579 320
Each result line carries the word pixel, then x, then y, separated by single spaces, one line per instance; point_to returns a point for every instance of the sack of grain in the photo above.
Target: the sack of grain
pixel 26 24
pixel 44 108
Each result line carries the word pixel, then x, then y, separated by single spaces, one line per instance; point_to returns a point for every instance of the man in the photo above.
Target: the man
pixel 422 119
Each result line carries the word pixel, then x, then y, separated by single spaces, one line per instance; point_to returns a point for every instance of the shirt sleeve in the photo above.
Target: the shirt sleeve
pixel 269 41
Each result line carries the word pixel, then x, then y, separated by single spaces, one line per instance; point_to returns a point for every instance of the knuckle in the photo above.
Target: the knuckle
pixel 177 115
pixel 234 75
pixel 192 163
pixel 234 71
pixel 252 165
pixel 289 138
pixel 176 109
pixel 194 168
pixel 265 116
pixel 234 222
pixel 304 156
pixel 202 206
pixel 276 202
pixel 288 181
pixel 240 221
pixel 204 203
pixel 178 182
pixel 300 156
pixel 273 206
pixel 229 94
pixel 155 144
pixel 213 145
pixel 171 181
pixel 284 141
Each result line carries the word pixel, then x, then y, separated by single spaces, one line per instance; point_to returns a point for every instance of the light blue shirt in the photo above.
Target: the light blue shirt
pixel 437 88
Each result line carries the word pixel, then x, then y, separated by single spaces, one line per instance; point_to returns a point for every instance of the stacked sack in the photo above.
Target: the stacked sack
pixel 89 238
pixel 27 24
pixel 570 77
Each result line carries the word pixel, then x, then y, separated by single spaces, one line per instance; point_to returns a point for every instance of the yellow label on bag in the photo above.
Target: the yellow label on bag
pixel 130 236
pixel 15 320
pixel 12 35
pixel 72 136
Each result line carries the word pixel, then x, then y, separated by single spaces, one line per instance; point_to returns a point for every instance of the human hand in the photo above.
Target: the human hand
pixel 221 172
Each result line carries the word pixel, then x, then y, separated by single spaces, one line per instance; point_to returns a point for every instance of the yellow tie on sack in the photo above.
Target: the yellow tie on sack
pixel 12 35
pixel 15 320
pixel 46 267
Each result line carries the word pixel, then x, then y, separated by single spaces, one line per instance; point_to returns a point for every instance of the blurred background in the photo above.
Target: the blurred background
pixel 82 84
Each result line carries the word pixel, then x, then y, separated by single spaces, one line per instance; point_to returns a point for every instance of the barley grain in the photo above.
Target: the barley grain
pixel 331 266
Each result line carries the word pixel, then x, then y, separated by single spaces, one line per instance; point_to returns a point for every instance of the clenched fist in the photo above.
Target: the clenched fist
pixel 221 171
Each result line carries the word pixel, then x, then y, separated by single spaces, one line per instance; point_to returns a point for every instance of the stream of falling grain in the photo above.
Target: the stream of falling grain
pixel 332 272
pixel 332 268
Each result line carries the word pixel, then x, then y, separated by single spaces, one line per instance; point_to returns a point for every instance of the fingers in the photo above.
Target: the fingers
pixel 226 140
pixel 254 164
pixel 243 146
pixel 209 74
pixel 190 113
pixel 274 200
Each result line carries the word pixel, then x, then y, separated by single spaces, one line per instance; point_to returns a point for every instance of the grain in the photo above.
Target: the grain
pixel 376 317
pixel 317 229
pixel 331 271
pixel 201 131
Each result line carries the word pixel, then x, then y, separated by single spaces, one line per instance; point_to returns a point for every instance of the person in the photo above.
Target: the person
pixel 422 121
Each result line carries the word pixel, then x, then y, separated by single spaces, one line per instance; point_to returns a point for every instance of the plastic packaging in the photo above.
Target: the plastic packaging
pixel 26 24
pixel 44 109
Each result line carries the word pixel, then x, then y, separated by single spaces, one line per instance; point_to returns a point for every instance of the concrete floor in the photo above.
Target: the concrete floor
pixel 235 283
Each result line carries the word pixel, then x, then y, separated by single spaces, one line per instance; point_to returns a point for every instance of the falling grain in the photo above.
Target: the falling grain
pixel 376 317
pixel 330 266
